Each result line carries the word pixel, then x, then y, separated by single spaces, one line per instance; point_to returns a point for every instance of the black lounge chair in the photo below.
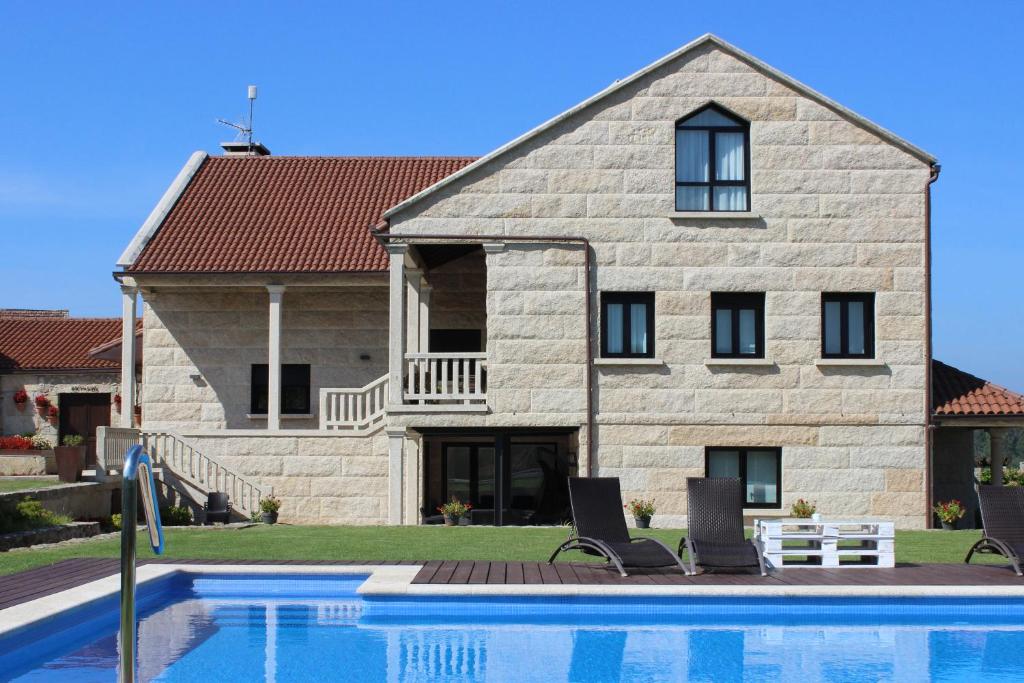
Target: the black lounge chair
pixel 601 528
pixel 1002 516
pixel 217 508
pixel 715 526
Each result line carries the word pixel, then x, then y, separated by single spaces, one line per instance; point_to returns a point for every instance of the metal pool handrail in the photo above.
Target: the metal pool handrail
pixel 135 462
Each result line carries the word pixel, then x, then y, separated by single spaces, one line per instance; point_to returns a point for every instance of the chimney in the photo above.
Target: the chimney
pixel 243 148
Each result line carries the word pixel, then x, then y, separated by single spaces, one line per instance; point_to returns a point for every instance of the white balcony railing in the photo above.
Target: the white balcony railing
pixel 354 410
pixel 440 378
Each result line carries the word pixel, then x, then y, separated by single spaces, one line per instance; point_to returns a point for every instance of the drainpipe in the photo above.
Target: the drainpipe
pixel 929 428
pixel 385 236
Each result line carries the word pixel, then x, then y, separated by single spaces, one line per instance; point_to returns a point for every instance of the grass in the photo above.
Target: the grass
pixel 24 484
pixel 281 542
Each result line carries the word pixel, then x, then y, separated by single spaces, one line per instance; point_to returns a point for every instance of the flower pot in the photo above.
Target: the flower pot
pixel 70 462
pixel 465 521
pixel 642 522
pixel 20 405
pixel 269 517
pixel 450 521
pixel 949 526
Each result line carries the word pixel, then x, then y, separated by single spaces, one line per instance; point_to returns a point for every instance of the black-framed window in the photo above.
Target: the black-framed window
pixel 760 470
pixel 737 325
pixel 712 161
pixel 627 325
pixel 294 389
pixel 848 325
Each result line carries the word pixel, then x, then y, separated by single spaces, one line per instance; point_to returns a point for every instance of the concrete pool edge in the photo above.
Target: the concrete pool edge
pixel 397 581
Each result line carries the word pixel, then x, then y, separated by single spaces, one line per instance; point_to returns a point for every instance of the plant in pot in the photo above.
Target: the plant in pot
pixel 949 513
pixel 52 413
pixel 804 509
pixel 453 511
pixel 70 458
pixel 269 507
pixel 642 511
pixel 42 402
pixel 20 399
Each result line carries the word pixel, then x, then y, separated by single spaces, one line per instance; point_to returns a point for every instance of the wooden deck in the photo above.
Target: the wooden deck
pixel 43 581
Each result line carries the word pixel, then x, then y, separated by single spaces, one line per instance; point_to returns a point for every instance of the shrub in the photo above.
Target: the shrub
pixel 29 513
pixel 176 515
pixel 73 440
pixel 1012 476
pixel 270 504
pixel 803 509
pixel 641 508
pixel 949 511
pixel 15 443
pixel 40 443
pixel 115 521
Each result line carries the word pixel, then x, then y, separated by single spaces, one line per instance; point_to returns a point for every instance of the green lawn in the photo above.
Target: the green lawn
pixel 23 484
pixel 283 542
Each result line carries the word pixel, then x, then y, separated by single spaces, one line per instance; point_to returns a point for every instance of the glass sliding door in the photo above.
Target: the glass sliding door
pixel 469 475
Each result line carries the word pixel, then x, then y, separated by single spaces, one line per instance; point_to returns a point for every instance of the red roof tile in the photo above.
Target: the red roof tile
pixel 955 392
pixel 55 343
pixel 287 214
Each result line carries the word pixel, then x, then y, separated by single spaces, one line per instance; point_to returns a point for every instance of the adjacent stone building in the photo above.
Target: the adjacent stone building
pixel 707 269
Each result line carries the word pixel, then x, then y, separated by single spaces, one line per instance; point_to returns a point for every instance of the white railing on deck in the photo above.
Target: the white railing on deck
pixel 111 445
pixel 440 378
pixel 355 410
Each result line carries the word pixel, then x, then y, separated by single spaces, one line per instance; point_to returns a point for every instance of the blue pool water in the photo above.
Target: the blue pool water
pixel 316 628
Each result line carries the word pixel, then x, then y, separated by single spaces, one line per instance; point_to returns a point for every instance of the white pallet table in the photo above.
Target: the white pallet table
pixel 826 541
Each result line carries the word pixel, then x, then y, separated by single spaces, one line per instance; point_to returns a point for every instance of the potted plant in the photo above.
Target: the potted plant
pixel 20 399
pixel 42 402
pixel 268 509
pixel 642 511
pixel 70 458
pixel 803 509
pixel 52 413
pixel 949 513
pixel 454 510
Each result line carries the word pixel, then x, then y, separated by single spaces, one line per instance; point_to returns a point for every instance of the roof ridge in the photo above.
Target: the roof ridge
pixel 356 157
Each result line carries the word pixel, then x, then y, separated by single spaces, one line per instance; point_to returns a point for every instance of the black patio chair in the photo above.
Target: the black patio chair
pixel 715 526
pixel 217 508
pixel 1002 517
pixel 600 528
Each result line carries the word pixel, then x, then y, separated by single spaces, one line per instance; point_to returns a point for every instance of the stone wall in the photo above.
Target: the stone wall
pixel 28 419
pixel 199 346
pixel 319 479
pixel 834 208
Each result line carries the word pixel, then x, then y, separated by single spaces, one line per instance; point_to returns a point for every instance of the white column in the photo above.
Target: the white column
pixel 413 278
pixel 396 442
pixel 128 314
pixel 396 333
pixel 425 292
pixel 276 293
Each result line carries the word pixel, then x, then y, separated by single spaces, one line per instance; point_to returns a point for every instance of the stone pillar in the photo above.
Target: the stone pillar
pixel 425 292
pixel 396 443
pixel 413 279
pixel 128 315
pixel 1000 452
pixel 396 333
pixel 276 293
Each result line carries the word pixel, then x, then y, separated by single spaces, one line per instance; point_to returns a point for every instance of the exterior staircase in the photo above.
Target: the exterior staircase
pixel 179 466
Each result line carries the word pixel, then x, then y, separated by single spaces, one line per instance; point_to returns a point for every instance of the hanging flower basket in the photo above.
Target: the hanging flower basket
pixel 20 399
pixel 117 401
pixel 42 402
pixel 52 413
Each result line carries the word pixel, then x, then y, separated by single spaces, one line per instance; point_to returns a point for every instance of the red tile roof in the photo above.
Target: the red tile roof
pixel 55 343
pixel 287 214
pixel 957 393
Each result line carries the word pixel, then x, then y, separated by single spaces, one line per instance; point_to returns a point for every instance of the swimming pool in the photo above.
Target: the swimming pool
pixel 308 627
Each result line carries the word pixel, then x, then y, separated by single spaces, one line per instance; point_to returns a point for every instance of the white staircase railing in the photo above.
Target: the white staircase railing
pixel 440 378
pixel 183 462
pixel 355 410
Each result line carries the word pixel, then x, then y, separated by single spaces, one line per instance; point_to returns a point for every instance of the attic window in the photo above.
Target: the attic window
pixel 712 162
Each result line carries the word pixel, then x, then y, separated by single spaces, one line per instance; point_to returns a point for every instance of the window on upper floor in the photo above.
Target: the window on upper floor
pixel 737 325
pixel 760 470
pixel 294 389
pixel 627 325
pixel 712 162
pixel 847 325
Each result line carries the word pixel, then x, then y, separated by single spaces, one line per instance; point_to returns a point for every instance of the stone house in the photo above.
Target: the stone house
pixel 706 269
pixel 72 362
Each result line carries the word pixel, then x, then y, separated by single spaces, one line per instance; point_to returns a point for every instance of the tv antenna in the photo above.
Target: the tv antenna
pixel 244 129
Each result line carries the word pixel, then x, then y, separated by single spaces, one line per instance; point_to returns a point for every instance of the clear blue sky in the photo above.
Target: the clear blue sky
pixel 101 103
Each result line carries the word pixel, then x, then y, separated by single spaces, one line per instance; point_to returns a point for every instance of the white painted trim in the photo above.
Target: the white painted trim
pixel 629 361
pixel 283 416
pixel 756 63
pixel 853 362
pixel 439 408
pixel 738 362
pixel 163 207
pixel 715 215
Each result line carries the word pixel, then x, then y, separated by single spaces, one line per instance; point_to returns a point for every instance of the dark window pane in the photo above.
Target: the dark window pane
pixel 762 484
pixel 724 463
pixel 627 324
pixel 723 330
pixel 833 333
pixel 748 331
pixel 616 327
pixel 855 337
